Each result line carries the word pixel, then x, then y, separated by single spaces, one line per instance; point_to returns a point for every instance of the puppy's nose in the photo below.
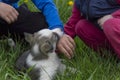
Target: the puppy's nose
pixel 51 49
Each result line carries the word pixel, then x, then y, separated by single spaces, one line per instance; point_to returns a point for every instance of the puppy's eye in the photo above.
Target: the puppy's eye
pixel 47 41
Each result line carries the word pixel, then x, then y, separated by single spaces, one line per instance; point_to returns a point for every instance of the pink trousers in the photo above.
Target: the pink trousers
pixel 95 38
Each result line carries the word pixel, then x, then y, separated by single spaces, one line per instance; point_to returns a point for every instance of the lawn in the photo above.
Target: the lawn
pixel 89 64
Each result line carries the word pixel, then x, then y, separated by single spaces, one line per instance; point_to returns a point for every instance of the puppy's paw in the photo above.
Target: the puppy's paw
pixel 11 43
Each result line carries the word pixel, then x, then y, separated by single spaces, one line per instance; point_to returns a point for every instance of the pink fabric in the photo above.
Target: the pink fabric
pixel 69 27
pixel 91 35
pixel 112 31
pixel 118 1
pixel 116 14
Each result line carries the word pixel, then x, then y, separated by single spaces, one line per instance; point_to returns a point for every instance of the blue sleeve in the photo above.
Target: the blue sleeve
pixel 50 11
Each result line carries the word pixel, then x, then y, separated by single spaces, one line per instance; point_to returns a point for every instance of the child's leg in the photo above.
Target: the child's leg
pixel 28 22
pixel 31 23
pixel 112 31
pixel 91 35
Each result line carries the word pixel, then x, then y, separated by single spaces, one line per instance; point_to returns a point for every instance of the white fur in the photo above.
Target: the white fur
pixel 50 66
pixel 45 32
pixel 58 31
pixel 47 67
pixel 11 43
pixel 36 49
pixel 48 32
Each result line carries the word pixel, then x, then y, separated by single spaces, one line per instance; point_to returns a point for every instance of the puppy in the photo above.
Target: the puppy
pixel 42 56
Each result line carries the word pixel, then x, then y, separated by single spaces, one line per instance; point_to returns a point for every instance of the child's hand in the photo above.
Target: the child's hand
pixel 103 19
pixel 8 13
pixel 66 45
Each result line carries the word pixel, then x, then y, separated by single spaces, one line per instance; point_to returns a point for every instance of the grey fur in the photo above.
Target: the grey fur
pixel 11 43
pixel 21 61
pixel 34 74
pixel 42 56
pixel 45 47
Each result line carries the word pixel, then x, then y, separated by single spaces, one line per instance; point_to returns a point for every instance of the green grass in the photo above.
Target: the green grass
pixel 89 64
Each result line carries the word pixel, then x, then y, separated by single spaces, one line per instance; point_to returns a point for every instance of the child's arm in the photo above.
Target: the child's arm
pixel 50 12
pixel 69 27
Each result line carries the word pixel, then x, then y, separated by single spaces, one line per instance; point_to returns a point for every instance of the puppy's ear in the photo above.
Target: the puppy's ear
pixel 55 37
pixel 58 31
pixel 28 37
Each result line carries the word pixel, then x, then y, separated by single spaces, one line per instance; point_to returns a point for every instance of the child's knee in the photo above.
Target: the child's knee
pixel 112 27
pixel 80 27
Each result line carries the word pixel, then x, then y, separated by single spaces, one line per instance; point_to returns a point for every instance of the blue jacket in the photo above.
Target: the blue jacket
pixel 94 9
pixel 47 7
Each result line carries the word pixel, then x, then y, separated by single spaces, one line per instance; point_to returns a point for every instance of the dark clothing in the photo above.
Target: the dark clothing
pixel 27 22
pixel 94 9
pixel 10 1
pixel 47 7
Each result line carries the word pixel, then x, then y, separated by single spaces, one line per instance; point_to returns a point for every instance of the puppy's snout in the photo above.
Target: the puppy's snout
pixel 51 49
